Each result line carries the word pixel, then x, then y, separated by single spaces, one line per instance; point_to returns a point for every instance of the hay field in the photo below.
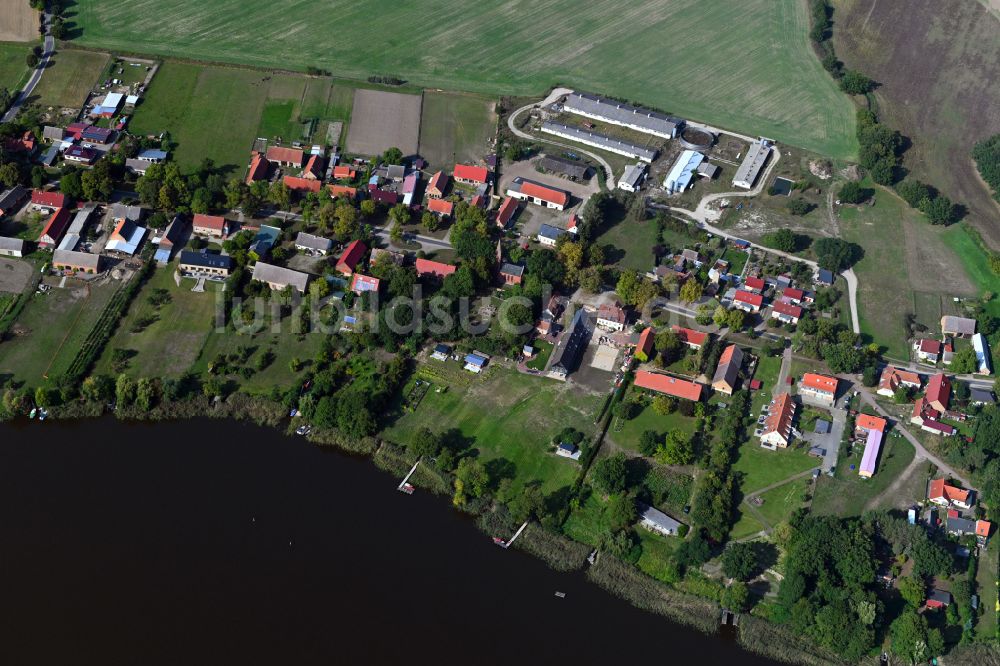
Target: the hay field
pixel 741 64
pixel 13 70
pixel 69 78
pixel 383 120
pixel 455 127
pixel 18 21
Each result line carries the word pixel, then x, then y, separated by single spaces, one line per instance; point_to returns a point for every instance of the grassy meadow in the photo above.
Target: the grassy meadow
pixel 740 64
pixel 455 127
pixel 69 78
pixel 13 70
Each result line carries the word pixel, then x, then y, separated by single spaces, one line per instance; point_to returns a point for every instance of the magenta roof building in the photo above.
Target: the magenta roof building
pixel 872 447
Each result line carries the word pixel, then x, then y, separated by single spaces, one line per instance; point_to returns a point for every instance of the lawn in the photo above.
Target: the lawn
pixel 52 328
pixel 505 415
pixel 541 356
pixel 633 243
pixel 169 346
pixel 760 75
pixel 746 526
pixel 986 588
pixel 847 494
pixel 13 70
pixel 69 78
pixel 761 468
pixel 975 262
pixel 781 502
pixel 455 127
pixel 631 431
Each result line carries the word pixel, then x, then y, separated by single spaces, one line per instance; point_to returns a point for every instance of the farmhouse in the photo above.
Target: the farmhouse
pixel 278 278
pixel 54 229
pixel 692 338
pixel 747 301
pixel 437 185
pixel 941 493
pixel 47 201
pixel 753 162
pixel 632 179
pixel 350 257
pixel 569 168
pixel 927 350
pixel 213 226
pixel 728 370
pixel 959 327
pixel 657 521
pixel 567 352
pixel 982 350
pixel 11 200
pixel 312 243
pixel 682 172
pixel 11 247
pixel 80 262
pixel 600 141
pixel 287 157
pixel 938 393
pixel 677 388
pixel 314 168
pixel 611 316
pixel 362 283
pixel 538 193
pixel 204 264
pixel 786 312
pixel 819 387
pixel 777 430
pixel 471 175
pixel 435 268
pixel 440 207
pixel 298 184
pixel 506 212
pixel 893 378
pixel 925 416
pixel 625 115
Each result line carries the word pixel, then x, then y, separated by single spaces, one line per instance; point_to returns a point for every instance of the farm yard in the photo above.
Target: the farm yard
pixel 69 78
pixel 18 21
pixel 455 127
pixel 766 82
pixel 383 120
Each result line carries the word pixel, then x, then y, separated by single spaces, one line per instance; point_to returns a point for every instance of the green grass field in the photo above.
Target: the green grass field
pixel 455 127
pixel 169 346
pixel 974 260
pixel 69 77
pixel 847 494
pixel 13 70
pixel 762 468
pixel 632 243
pixel 53 326
pixel 504 414
pixel 742 64
pixel 631 431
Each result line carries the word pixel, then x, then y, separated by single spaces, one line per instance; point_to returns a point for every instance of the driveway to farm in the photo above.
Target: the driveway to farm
pixel 553 96
pixel 36 76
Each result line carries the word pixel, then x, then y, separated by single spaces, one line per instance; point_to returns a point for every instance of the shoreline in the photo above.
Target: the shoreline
pixel 754 635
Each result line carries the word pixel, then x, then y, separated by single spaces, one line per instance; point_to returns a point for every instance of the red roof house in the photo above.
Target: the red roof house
pixel 506 212
pixel 210 225
pixel 342 191
pixel 314 168
pixel 285 156
pixel 302 184
pixel 475 175
pixel 746 300
pixel 678 388
pixel 44 199
pixel 258 168
pixel 796 296
pixel 868 422
pixel 442 207
pixel 786 312
pixel 350 257
pixel 645 346
pixel 945 495
pixel 383 196
pixel 428 267
pixel 437 185
pixel 938 393
pixel 692 338
pixel 541 192
pixel 54 228
pixel 343 171
pixel 754 284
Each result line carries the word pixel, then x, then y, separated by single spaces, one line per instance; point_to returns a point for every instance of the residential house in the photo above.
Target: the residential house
pixel 410 186
pixel 80 262
pixel 350 193
pixel 667 385
pixel 441 352
pixel 941 493
pixel 573 225
pixel 472 175
pixel 786 312
pixel 982 351
pixel 927 417
pixel 927 350
pixel 983 529
pixel 152 155
pixel 611 316
pixel 279 278
pixel 204 264
pixel 213 226
pixel 534 192
pixel 362 283
pixel 938 393
pixel 820 388
pixel 387 197
pixel 440 207
pixel 728 371
pixel 893 378
pixel 548 235
pixel 777 430
pixel 570 346
pixel 301 185
pixel 657 521
pixel 436 268
pixel 476 362
pixel 980 396
pixel 506 212
pixel 54 228
pixel 958 526
pixel 690 337
pixel 511 273
pixel 747 301
pixel 568 450
pixel 286 157
pixel 11 247
pixel 11 200
pixel 938 599
pixel 644 349
pixel 80 155
pixel 824 277
pixel 350 257
pixel 314 168
pixel 632 179
pixel 395 172
pixel 754 285
pixel 172 236
pixel 47 201
pixel 437 185
pixel 126 237
pixel 313 244
pixel 344 172
pixel 959 327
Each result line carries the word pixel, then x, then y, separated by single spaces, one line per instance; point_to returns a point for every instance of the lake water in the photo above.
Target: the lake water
pixel 209 542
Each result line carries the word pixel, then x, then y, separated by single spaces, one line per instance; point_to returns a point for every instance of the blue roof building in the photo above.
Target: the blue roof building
pixel 683 171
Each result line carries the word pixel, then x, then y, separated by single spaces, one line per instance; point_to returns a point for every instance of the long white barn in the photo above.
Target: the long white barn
pixel 619 113
pixel 600 141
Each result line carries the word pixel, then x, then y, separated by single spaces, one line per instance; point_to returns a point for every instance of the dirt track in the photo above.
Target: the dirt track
pixel 18 21
pixel 943 102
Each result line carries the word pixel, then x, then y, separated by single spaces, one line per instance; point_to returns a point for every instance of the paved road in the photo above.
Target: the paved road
pixel 36 76
pixel 553 96
pixel 427 243
pixel 976 381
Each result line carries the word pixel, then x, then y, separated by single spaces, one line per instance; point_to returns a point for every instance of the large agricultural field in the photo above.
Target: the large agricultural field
pixel 944 104
pixel 740 64
pixel 18 21
pixel 69 78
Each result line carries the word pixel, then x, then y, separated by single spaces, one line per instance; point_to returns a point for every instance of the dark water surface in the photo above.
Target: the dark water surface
pixel 209 542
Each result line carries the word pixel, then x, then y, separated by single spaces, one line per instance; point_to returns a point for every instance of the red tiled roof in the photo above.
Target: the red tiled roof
pixel 869 422
pixel 787 309
pixel 928 346
pixel 302 184
pixel 55 227
pixel 48 199
pixel 892 377
pixel 679 388
pixel 428 267
pixel 314 167
pixel 748 297
pixel 795 294
pixel 574 221
pixel 342 191
pixel 344 171
pixel 689 336
pixel 439 181
pixel 645 341
pixel 213 222
pixel 506 211
pixel 938 391
pixel 612 312
pixel 258 168
pixel 983 528
pixel 820 382
pixel 476 174
pixel 284 154
pixel 441 206
pixel 350 257
pixel 941 490
pixel 779 418
pixel 383 196
pixel 550 194
pixel 754 283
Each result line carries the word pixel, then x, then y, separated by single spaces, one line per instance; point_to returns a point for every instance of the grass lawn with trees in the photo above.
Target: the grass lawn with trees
pixel 631 430
pixel 847 494
pixel 455 127
pixel 633 243
pixel 525 52
pixel 588 523
pixel 69 77
pixel 761 468
pixel 657 554
pixel 544 350
pixel 506 416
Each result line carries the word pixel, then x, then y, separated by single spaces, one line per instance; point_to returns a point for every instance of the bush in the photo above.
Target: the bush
pixel 852 193
pixel 987 156
pixel 913 192
pixel 856 83
pixel 799 206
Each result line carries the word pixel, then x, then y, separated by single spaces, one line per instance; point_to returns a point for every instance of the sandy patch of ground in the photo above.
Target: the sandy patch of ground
pixel 14 275
pixel 382 120
pixel 18 21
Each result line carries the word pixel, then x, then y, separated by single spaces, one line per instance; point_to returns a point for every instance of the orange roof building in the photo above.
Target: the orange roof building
pixel 692 338
pixel 440 269
pixel 442 207
pixel 344 172
pixel 474 175
pixel 893 378
pixel 350 257
pixel 938 394
pixel 868 422
pixel 819 387
pixel 728 371
pixel 777 430
pixel 437 185
pixel 285 156
pixel 506 212
pixel 645 346
pixel 678 388
pixel 302 184
pixel 342 191
pixel 942 494
pixel 258 168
